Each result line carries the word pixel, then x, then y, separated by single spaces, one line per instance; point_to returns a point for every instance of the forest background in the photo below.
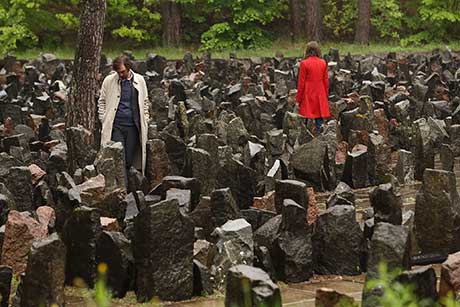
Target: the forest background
pixel 219 25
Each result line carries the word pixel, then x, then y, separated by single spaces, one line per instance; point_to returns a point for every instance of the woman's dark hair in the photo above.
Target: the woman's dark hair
pixel 312 49
pixel 122 60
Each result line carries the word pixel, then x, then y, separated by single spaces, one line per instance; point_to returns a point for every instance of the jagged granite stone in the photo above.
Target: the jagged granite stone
pixel 338 242
pixel 437 212
pixel 114 250
pixel 250 286
pixel 163 253
pixel 45 275
pixel 80 236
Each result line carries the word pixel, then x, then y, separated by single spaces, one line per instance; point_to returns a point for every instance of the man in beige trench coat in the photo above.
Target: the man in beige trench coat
pixel 123 109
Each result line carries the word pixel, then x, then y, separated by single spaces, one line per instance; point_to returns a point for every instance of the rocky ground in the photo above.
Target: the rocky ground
pixel 238 192
pixel 300 294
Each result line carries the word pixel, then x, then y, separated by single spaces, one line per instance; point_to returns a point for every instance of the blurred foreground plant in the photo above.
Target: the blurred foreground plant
pixel 396 294
pixel 102 295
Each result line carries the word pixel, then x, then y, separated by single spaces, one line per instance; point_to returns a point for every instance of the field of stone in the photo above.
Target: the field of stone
pixel 241 203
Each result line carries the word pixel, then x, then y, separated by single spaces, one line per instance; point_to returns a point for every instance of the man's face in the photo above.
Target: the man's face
pixel 123 72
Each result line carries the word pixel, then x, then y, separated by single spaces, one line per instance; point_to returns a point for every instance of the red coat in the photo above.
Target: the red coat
pixel 313 88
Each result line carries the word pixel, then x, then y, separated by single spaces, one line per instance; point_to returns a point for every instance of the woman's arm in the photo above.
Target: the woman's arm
pixel 326 81
pixel 301 84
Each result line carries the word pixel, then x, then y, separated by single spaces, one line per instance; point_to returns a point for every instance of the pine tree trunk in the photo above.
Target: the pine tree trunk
pixel 84 88
pixel 296 21
pixel 171 22
pixel 313 9
pixel 81 109
pixel 364 22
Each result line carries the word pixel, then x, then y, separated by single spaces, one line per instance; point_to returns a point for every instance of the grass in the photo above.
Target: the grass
pixel 287 48
pixel 84 297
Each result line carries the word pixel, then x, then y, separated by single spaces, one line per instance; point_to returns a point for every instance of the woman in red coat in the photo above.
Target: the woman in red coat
pixel 313 86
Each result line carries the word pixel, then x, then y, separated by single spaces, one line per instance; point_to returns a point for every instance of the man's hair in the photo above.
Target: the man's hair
pixel 312 49
pixel 122 60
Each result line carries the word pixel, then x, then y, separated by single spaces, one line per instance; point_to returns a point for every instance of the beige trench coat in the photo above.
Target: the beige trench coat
pixel 107 108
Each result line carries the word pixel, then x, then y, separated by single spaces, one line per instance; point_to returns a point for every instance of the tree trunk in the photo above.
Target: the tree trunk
pixel 171 22
pixel 364 22
pixel 313 17
pixel 296 21
pixel 84 88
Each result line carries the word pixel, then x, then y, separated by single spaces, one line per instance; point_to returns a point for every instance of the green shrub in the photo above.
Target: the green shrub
pixel 339 18
pixel 14 29
pixel 435 21
pixel 242 23
pixel 396 294
pixel 386 18
pixel 128 21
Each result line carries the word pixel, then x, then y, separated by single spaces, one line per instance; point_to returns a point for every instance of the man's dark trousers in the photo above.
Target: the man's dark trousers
pixel 129 137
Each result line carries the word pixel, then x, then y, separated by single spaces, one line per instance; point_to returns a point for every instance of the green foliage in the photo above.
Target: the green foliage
pixel 435 21
pixel 396 294
pixel 242 25
pixel 11 35
pixel 339 18
pixel 386 18
pixel 221 24
pixel 54 20
pixel 70 21
pixel 417 39
pixel 219 36
pixel 13 24
pixel 440 11
pixel 128 21
pixel 450 301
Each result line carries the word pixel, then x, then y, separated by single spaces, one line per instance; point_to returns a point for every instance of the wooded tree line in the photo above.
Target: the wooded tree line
pixel 224 24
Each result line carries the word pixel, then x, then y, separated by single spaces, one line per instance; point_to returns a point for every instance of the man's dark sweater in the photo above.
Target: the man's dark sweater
pixel 124 116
